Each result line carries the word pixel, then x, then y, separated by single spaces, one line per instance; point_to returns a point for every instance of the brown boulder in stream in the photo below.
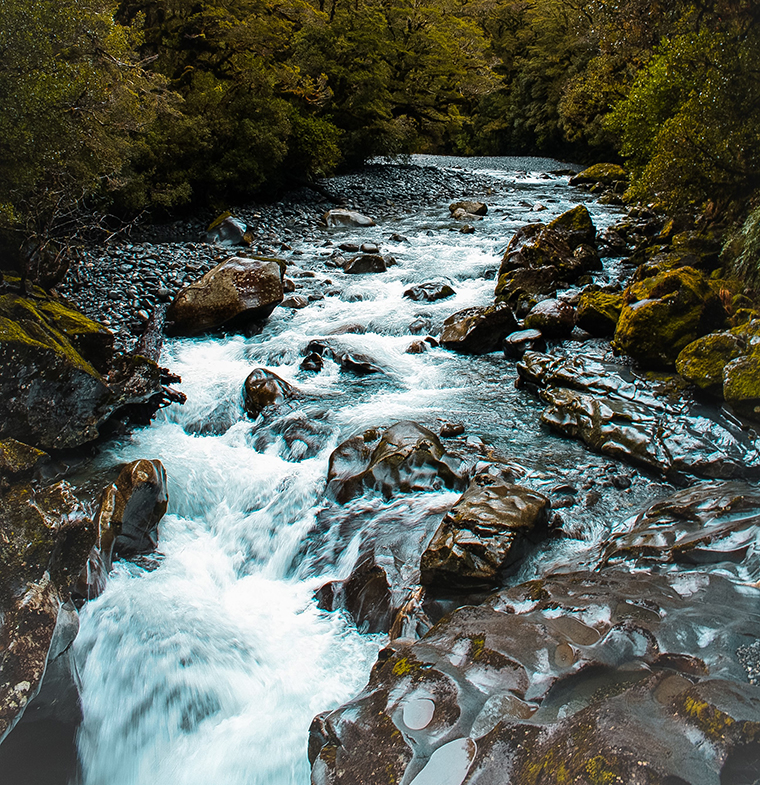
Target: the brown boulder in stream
pixel 263 388
pixel 486 531
pixel 239 290
pixel 406 457
pixel 593 677
pixel 478 330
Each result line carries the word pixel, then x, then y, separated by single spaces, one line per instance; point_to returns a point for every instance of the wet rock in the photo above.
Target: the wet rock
pixel 527 284
pixel 416 347
pixel 553 318
pixel 478 330
pixel 237 291
pixel 576 227
pixel 603 676
pixel 517 343
pixel 295 303
pixel 473 208
pixel 622 417
pixel 406 457
pixel 598 312
pixel 702 361
pixel 449 429
pixel 227 230
pixel 365 594
pixel 340 217
pixel 664 313
pixel 607 174
pixel 133 506
pixel 367 263
pixel 46 536
pixel 485 532
pixel 288 285
pixel 19 460
pixel 467 229
pixel 429 292
pixel 50 395
pixel 263 388
pixel 710 523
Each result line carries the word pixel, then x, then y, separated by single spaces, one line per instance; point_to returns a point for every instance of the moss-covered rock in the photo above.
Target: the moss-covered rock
pixel 576 226
pixel 664 313
pixel 741 385
pixel 702 361
pixel 607 174
pixel 598 312
pixel 50 395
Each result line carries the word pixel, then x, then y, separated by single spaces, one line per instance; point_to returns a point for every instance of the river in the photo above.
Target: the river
pixel 207 662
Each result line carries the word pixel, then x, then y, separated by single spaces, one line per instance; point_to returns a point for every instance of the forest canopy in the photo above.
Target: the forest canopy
pixel 162 104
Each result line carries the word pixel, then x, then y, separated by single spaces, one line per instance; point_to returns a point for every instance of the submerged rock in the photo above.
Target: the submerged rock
pixel 620 417
pixel 263 388
pixel 478 330
pixel 485 532
pixel 239 290
pixel 406 457
pixel 603 676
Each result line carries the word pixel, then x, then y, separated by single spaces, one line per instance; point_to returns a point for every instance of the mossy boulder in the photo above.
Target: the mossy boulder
pixel 598 312
pixel 702 361
pixel 607 174
pixel 664 313
pixel 576 226
pixel 741 385
pixel 50 395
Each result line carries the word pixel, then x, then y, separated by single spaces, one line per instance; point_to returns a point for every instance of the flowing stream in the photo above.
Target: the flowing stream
pixel 208 663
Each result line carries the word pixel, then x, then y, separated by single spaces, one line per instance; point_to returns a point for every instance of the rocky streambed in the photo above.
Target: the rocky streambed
pixel 418 520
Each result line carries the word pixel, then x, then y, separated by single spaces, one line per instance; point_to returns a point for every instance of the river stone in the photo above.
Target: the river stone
pixel 238 290
pixel 709 523
pixel 607 174
pixel 45 538
pixel 485 532
pixel 604 676
pixel 366 263
pixel 133 506
pixel 406 457
pixel 473 208
pixel 478 330
pixel 263 388
pixel 554 318
pixel 50 395
pixel 623 418
pixel 664 313
pixel 598 312
pixel 429 292
pixel 576 227
pixel 341 217
pixel 517 343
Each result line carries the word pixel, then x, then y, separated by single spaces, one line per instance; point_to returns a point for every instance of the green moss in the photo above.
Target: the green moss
pixel 714 723
pixel 67 320
pixel 405 665
pixel 741 380
pixel 600 173
pixel 702 361
pixel 577 219
pixel 598 312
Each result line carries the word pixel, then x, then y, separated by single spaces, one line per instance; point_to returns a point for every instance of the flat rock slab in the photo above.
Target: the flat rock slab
pixel 622 417
pixel 602 676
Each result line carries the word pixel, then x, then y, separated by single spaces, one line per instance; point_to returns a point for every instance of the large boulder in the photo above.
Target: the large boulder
pixel 702 361
pixel 478 330
pixel 581 678
pixel 576 226
pixel 46 537
pixel 664 313
pixel 237 291
pixel 486 531
pixel 341 217
pixel 404 458
pixel 263 388
pixel 132 507
pixel 527 284
pixel 50 394
pixel 366 263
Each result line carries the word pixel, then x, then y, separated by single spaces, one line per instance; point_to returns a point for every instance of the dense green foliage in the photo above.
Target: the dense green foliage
pixel 164 103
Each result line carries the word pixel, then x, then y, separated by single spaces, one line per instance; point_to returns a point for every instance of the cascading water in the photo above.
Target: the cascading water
pixel 208 663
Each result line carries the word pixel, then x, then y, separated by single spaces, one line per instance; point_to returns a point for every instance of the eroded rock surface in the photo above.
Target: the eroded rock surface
pixel 621 417
pixel 588 677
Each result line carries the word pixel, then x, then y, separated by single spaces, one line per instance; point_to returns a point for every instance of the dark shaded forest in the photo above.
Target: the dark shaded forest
pixel 161 105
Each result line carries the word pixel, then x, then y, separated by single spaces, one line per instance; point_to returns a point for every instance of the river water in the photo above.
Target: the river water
pixel 207 663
